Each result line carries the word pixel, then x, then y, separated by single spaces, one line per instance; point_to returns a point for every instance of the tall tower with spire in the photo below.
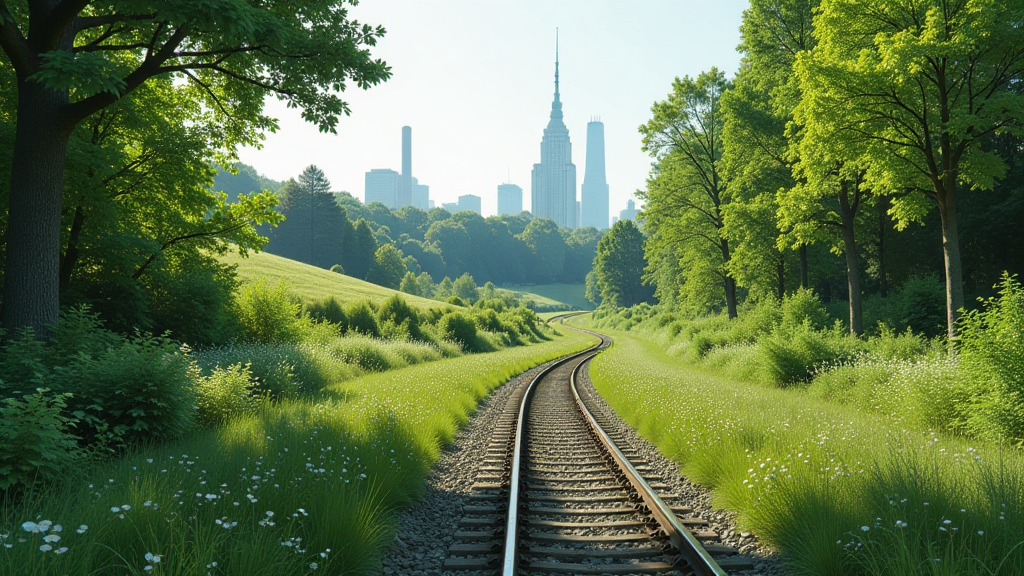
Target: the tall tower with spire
pixel 553 191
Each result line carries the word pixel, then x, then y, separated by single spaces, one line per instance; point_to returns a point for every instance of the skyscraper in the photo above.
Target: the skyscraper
pixel 630 212
pixel 382 185
pixel 405 192
pixel 594 193
pixel 510 199
pixel 553 190
pixel 420 195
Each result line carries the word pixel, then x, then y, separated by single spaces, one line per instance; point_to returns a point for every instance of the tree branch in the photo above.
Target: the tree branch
pixel 14 44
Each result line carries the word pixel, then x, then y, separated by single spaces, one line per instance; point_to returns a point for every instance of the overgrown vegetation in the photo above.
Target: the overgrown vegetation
pixel 838 490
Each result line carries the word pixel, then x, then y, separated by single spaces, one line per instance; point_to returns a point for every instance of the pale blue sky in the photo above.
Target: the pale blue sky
pixel 475 79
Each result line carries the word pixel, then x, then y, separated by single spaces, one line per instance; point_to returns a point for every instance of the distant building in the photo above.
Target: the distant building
pixel 470 202
pixel 594 193
pixel 630 212
pixel 510 199
pixel 614 220
pixel 382 185
pixel 430 203
pixel 553 183
pixel 420 195
pixel 405 191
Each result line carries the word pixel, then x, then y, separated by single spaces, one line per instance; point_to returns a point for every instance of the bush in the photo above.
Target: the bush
pixel 35 439
pixel 266 315
pixel 921 305
pixel 456 301
pixel 458 327
pixel 361 319
pixel 992 358
pixel 328 310
pixel 792 355
pixel 337 269
pixel 804 307
pixel 398 312
pixel 137 391
pixel 225 393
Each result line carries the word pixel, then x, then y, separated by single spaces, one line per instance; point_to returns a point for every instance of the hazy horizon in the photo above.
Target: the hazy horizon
pixel 475 79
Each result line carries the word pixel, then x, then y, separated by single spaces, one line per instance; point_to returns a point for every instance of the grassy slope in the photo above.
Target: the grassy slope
pixel 810 476
pixel 332 472
pixel 310 282
pixel 551 295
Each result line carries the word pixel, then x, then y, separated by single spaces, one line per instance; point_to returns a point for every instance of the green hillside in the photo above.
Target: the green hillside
pixel 554 296
pixel 310 282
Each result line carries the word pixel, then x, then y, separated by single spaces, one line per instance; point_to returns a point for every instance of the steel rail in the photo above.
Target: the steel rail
pixel 510 562
pixel 699 560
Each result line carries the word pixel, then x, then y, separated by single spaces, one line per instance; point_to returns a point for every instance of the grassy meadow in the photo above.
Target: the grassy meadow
pixel 550 297
pixel 309 484
pixel 312 283
pixel 839 490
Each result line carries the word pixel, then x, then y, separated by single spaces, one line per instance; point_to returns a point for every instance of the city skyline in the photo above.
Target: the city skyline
pixel 475 128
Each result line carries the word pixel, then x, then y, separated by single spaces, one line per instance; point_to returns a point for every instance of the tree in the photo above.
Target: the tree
pixel 580 249
pixel 445 289
pixel 619 267
pixel 409 285
pixel 359 255
pixel 452 240
pixel 914 89
pixel 548 247
pixel 687 193
pixel 315 226
pixel 465 288
pixel 74 58
pixel 388 268
pixel 425 285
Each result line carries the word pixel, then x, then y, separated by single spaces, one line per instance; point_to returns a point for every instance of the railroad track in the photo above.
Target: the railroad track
pixel 561 491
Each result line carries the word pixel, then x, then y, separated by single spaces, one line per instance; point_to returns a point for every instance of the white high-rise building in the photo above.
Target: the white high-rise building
pixel 420 195
pixel 510 199
pixel 594 193
pixel 553 190
pixel 383 185
pixel 630 212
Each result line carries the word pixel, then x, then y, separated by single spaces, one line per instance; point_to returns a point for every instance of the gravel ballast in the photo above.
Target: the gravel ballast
pixel 426 529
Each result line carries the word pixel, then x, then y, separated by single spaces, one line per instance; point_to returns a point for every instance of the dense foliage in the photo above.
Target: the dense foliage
pixel 854 151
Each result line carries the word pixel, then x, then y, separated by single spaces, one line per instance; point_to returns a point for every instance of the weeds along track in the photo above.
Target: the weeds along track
pixel 561 491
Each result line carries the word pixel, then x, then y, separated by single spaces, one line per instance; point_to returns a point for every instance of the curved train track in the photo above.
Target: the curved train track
pixel 561 491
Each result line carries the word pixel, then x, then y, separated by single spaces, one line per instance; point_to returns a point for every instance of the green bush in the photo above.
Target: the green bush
pixel 337 269
pixel 138 391
pixel 35 439
pixel 458 327
pixel 328 310
pixel 804 307
pixel 362 319
pixel 456 301
pixel 792 355
pixel 266 315
pixel 398 312
pixel 225 393
pixel 921 305
pixel 992 358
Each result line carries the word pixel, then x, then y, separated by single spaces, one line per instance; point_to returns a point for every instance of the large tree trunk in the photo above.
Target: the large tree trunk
pixel 31 296
pixel 852 263
pixel 951 253
pixel 730 282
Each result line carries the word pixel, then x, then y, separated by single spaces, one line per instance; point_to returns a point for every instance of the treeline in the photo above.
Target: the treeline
pixel 326 229
pixel 853 151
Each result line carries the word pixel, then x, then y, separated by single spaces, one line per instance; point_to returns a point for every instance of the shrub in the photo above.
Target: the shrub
pixel 397 311
pixel 266 315
pixel 337 269
pixel 328 310
pixel 361 319
pixel 139 390
pixel 804 307
pixel 225 393
pixel 792 355
pixel 992 357
pixel 921 305
pixel 458 327
pixel 35 439
pixel 455 300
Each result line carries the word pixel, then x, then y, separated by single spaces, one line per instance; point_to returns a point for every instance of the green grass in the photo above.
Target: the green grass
pixel 838 490
pixel 332 471
pixel 554 296
pixel 312 283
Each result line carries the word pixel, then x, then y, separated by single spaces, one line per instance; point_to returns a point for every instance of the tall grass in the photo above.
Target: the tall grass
pixel 838 490
pixel 307 483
